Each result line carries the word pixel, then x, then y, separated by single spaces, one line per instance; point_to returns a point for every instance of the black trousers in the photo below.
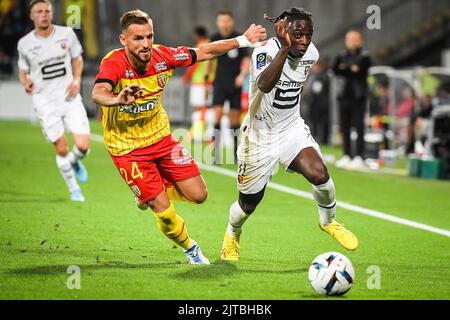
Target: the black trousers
pixel 352 115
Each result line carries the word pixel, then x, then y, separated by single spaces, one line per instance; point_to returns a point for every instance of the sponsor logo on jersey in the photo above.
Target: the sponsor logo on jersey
pixel 148 106
pixel 289 84
pixel 181 56
pixel 161 66
pixel 260 117
pixel 308 62
pixel 183 157
pixel 136 190
pixel 162 80
pixel 129 74
pixel 261 60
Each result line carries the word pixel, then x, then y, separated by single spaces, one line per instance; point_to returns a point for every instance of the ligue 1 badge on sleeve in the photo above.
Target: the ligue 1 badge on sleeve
pixel 261 60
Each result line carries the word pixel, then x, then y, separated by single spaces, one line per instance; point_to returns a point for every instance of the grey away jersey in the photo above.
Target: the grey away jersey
pixel 279 109
pixel 49 62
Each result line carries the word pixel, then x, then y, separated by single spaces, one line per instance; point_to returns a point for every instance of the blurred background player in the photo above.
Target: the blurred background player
pixel 200 76
pixel 274 130
pixel 50 69
pixel 230 75
pixel 129 86
pixel 353 65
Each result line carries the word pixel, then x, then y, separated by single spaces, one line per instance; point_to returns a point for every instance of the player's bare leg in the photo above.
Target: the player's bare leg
pixel 174 228
pixel 191 190
pixel 309 163
pixel 65 167
pixel 79 151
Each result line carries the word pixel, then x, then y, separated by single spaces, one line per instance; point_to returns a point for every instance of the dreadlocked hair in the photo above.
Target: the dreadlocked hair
pixel 291 14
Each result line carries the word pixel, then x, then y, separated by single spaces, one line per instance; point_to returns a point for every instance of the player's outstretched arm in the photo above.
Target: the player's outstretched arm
pixel 270 76
pixel 250 38
pixel 102 94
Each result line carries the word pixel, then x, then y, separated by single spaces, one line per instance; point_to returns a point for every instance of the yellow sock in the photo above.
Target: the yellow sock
pixel 174 227
pixel 174 195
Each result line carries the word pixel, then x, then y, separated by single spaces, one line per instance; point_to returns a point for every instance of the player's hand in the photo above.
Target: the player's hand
pixel 29 87
pixel 239 81
pixel 73 88
pixel 255 34
pixel 282 30
pixel 129 94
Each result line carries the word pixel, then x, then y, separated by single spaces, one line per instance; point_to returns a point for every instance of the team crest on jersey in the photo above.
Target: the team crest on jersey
pixel 307 70
pixel 162 80
pixel 136 190
pixel 64 45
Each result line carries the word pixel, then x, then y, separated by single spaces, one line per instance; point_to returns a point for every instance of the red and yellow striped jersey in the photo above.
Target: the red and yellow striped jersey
pixel 126 128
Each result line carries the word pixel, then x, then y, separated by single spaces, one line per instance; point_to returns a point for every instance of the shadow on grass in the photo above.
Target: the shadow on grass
pixel 61 269
pixel 219 268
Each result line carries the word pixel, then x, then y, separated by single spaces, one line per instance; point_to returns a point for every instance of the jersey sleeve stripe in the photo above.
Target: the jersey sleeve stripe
pixel 105 81
pixel 194 56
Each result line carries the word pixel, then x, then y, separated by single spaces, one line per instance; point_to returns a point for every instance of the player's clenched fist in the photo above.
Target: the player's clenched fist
pixel 129 94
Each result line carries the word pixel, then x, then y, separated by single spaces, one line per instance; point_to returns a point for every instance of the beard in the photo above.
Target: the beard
pixel 138 58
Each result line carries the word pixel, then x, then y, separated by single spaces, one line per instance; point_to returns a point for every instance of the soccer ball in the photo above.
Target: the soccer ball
pixel 331 274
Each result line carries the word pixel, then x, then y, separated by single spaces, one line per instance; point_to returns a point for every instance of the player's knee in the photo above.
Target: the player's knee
pixel 249 202
pixel 247 208
pixel 200 196
pixel 319 175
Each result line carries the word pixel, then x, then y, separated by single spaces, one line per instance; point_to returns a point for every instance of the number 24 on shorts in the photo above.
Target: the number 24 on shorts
pixel 135 173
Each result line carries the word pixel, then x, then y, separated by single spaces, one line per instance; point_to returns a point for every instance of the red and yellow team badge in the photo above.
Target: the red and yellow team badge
pixel 162 80
pixel 136 190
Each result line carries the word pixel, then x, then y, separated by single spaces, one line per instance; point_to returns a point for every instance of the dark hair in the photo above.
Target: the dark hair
pixel 33 2
pixel 292 14
pixel 201 31
pixel 134 17
pixel 224 12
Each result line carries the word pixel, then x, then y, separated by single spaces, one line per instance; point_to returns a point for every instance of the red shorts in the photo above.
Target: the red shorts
pixel 149 169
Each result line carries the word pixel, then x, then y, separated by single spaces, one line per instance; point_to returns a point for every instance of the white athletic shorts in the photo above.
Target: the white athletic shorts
pixel 57 115
pixel 258 157
pixel 197 96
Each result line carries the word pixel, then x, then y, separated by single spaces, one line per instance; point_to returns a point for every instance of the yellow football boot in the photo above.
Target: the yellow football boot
pixel 343 236
pixel 230 247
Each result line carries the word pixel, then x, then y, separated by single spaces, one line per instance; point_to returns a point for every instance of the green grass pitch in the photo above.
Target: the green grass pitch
pixel 122 255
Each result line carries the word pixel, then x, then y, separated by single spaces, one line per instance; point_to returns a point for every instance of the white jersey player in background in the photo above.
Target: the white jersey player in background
pixel 50 69
pixel 273 130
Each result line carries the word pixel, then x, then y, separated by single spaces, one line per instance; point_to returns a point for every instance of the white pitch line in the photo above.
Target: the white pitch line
pixel 308 195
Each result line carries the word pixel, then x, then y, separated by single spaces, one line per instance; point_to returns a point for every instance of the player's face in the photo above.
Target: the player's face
pixel 225 24
pixel 42 15
pixel 138 40
pixel 301 36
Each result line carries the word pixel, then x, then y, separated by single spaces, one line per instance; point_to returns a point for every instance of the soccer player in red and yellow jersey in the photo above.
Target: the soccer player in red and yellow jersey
pixel 137 133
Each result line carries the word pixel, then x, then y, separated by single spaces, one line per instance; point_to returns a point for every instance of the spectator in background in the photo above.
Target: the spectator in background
pixel 319 101
pixel 353 65
pixel 200 76
pixel 232 68
pixel 12 24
